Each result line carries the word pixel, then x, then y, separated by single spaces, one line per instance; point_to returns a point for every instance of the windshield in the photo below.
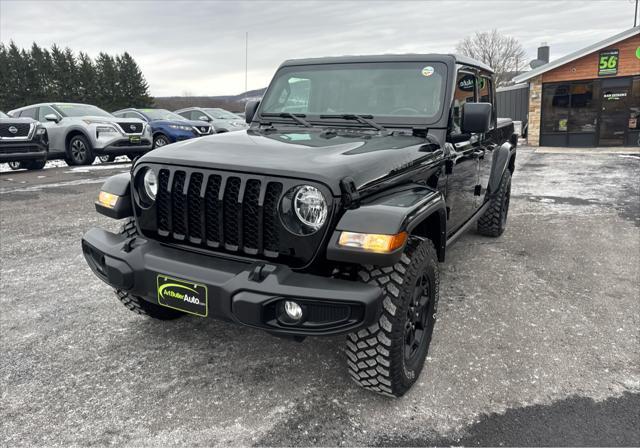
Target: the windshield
pixel 222 114
pixel 387 89
pixel 161 114
pixel 3 115
pixel 81 110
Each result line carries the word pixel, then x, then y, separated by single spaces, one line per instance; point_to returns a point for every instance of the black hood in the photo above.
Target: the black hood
pixel 304 154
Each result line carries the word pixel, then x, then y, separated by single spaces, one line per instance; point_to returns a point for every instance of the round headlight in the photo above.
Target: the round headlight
pixel 150 184
pixel 310 206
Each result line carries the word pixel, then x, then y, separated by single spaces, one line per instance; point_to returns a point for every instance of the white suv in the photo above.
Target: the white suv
pixel 80 132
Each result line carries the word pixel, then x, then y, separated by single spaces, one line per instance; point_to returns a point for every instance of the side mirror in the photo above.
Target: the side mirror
pixel 476 117
pixel 51 117
pixel 250 110
pixel 204 118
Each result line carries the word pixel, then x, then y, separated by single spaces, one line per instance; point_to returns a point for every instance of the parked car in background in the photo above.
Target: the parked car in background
pixel 222 120
pixel 166 126
pixel 80 132
pixel 23 143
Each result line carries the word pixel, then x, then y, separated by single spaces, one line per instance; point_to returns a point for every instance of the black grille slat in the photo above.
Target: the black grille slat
pixel 231 209
pixel 21 129
pixel 212 211
pixel 232 212
pixel 194 206
pixel 131 128
pixel 178 202
pixel 250 213
pixel 162 201
pixel 271 235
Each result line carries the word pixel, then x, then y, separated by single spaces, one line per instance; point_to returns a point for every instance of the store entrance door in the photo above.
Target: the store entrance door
pixel 614 112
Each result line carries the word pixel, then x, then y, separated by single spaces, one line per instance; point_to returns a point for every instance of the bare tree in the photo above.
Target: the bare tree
pixel 502 53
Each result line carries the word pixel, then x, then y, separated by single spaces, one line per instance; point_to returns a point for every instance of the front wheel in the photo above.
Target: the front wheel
pixel 160 140
pixel 137 304
pixel 79 151
pixel 388 356
pixel 15 165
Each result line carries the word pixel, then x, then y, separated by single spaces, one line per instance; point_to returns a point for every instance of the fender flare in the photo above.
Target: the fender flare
pixel 414 208
pixel 120 185
pixel 501 159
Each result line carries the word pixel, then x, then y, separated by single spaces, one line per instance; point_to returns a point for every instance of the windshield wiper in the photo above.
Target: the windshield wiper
pixel 364 119
pixel 299 118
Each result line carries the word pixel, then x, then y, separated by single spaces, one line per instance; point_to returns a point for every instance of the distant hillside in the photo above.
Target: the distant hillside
pixel 233 103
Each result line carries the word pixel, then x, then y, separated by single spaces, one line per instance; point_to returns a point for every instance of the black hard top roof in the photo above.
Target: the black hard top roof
pixel 435 57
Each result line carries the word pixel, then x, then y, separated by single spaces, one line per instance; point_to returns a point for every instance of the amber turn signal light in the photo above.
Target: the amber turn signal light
pixel 373 242
pixel 108 200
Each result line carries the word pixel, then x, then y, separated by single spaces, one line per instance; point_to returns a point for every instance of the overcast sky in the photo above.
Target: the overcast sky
pixel 198 47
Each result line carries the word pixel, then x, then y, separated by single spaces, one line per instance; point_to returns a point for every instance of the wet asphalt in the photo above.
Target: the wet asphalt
pixel 537 339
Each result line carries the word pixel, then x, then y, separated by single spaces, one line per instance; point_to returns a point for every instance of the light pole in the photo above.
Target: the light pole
pixel 246 62
pixel 635 16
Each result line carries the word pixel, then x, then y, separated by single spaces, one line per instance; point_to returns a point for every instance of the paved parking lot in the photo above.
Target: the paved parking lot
pixel 537 339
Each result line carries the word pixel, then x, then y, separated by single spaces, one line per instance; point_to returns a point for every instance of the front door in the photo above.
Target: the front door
pixel 614 112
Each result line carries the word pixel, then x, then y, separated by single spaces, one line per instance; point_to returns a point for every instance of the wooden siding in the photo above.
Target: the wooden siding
pixel 587 66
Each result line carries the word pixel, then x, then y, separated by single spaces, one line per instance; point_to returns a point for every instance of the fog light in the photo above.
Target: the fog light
pixel 293 310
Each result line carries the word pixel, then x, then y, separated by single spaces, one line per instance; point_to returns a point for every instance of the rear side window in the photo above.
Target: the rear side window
pixel 29 113
pixel 465 93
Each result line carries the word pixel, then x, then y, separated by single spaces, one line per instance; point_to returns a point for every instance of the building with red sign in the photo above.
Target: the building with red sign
pixel 588 98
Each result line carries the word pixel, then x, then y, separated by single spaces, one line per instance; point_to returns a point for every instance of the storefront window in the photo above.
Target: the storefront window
pixel 584 113
pixel 555 108
pixel 634 105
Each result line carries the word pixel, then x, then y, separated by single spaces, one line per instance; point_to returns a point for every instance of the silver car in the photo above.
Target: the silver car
pixel 80 132
pixel 222 120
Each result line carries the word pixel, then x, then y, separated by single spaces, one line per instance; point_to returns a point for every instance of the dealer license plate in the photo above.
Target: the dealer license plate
pixel 134 139
pixel 182 295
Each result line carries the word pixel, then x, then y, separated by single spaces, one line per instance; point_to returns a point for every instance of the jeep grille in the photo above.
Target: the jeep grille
pixel 230 212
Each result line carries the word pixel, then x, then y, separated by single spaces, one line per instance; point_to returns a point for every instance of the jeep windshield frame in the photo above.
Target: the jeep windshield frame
pixel 393 93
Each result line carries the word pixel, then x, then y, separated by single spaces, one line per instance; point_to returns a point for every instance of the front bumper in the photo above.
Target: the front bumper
pixel 18 151
pixel 248 293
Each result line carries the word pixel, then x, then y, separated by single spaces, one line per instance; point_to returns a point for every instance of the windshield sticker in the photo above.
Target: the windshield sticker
pixel 427 71
pixel 296 137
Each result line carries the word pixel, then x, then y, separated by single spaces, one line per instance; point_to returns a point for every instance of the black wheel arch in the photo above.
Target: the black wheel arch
pixel 425 217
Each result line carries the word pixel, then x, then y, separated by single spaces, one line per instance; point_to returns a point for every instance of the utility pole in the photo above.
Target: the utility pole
pixel 246 62
pixel 635 16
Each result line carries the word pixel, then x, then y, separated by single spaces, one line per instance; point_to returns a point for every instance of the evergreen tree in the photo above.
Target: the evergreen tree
pixel 133 87
pixel 107 82
pixel 86 76
pixel 38 75
pixel 16 86
pixel 4 78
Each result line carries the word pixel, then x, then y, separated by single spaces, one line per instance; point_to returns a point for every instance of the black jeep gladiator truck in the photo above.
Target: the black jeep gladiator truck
pixel 23 143
pixel 329 215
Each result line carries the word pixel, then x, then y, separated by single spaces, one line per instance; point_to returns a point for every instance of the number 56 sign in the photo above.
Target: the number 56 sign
pixel 608 63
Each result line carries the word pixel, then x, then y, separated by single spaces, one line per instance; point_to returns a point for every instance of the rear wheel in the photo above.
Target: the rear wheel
pixel 494 220
pixel 79 151
pixel 15 165
pixel 388 356
pixel 135 303
pixel 34 164
pixel 107 158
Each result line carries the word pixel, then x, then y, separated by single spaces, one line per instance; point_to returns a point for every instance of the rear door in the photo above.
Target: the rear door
pixel 487 143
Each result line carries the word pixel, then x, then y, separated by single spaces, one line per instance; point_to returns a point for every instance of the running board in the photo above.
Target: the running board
pixel 468 224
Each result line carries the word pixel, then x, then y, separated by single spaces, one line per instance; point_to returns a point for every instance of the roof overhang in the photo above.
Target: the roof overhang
pixel 577 54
